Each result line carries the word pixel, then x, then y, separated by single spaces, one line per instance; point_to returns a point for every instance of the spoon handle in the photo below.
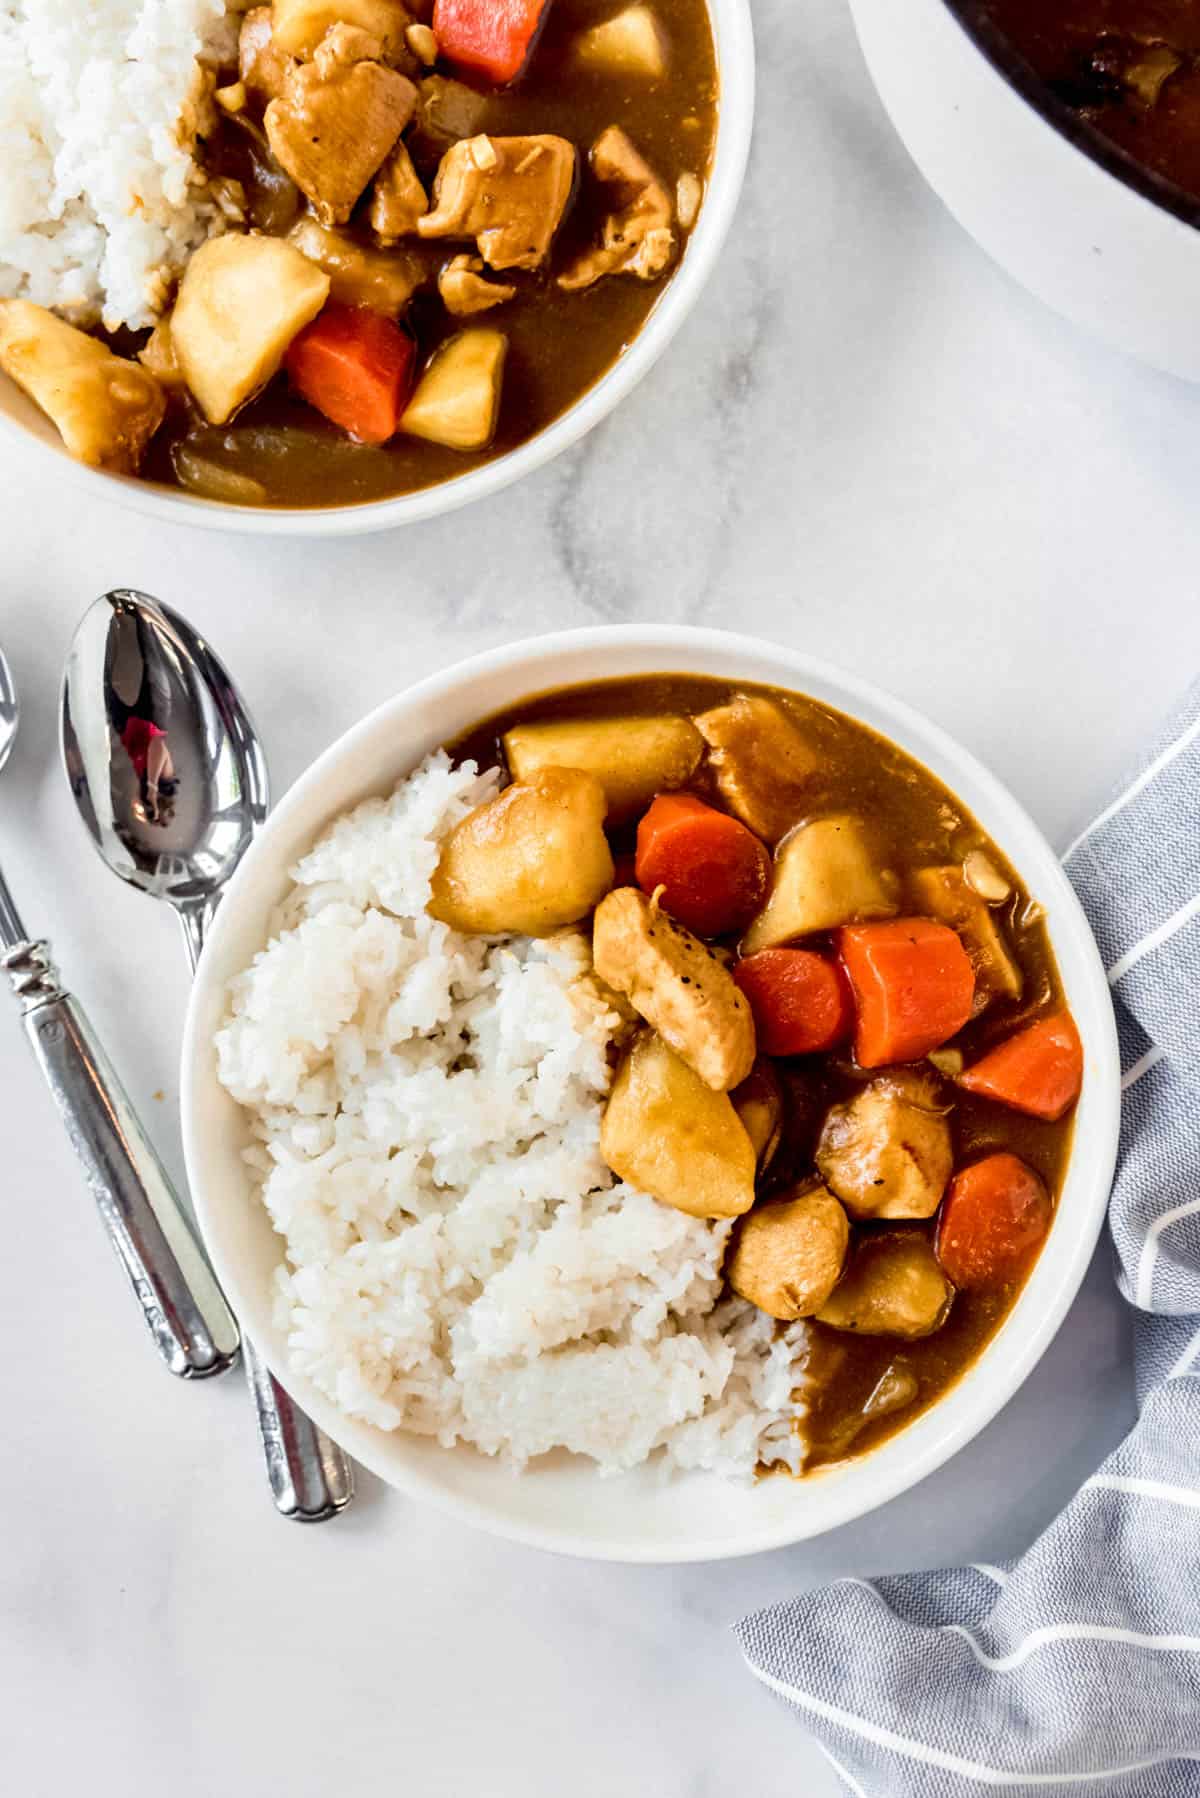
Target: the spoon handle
pixel 184 1308
pixel 310 1477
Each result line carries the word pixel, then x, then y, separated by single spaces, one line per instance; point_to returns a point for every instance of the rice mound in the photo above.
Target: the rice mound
pixel 425 1111
pixel 102 201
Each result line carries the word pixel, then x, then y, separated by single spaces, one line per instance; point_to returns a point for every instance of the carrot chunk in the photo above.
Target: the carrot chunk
pixel 1038 1071
pixel 493 38
pixel 913 985
pixel 801 1002
pixel 994 1216
pixel 356 367
pixel 713 870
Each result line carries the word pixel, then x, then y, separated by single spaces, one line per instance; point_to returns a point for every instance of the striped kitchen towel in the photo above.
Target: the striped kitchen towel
pixel 1075 1670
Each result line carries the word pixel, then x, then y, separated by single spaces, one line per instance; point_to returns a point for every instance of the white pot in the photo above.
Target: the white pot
pixel 1100 239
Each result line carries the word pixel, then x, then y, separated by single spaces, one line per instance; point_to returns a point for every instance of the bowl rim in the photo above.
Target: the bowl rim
pixel 988 1384
pixel 1019 74
pixel 733 36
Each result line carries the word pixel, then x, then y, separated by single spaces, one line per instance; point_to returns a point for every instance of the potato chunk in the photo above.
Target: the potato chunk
pixel 668 1134
pixel 457 399
pixel 332 127
pixel 385 280
pixel 632 758
pixel 893 1286
pixel 765 768
pixel 106 409
pixel 241 301
pixel 826 873
pixel 299 25
pixel 789 1254
pixel 677 984
pixel 945 894
pixel 886 1152
pixel 630 43
pixel 758 1101
pixel 529 861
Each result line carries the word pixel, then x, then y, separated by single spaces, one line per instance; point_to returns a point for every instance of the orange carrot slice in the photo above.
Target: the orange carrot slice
pixel 713 871
pixel 994 1216
pixel 913 985
pixel 1038 1071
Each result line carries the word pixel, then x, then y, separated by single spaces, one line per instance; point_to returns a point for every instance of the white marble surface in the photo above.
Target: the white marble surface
pixel 865 440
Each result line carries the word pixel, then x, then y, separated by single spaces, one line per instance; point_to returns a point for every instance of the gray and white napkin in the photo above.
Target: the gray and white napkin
pixel 1076 1670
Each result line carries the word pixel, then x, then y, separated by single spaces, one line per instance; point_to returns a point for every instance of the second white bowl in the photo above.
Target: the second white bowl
pixel 26 427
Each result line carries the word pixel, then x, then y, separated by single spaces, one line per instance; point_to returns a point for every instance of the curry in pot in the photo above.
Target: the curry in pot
pixel 1131 68
pixel 846 1028
pixel 444 221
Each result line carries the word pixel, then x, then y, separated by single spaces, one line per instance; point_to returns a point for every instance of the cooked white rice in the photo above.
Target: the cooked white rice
pixel 101 200
pixel 425 1108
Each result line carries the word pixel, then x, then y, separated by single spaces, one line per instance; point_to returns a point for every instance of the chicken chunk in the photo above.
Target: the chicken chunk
pixel 332 127
pixel 886 1152
pixel 385 280
pixel 398 199
pixel 677 984
pixel 262 65
pixel 758 1101
pixel 789 1254
pixel 765 769
pixel 893 1286
pixel 529 861
pixel 637 238
pixel 241 301
pixel 945 894
pixel 106 409
pixel 464 291
pixel 632 758
pixel 300 25
pixel 508 193
pixel 668 1134
pixel 826 873
pixel 344 44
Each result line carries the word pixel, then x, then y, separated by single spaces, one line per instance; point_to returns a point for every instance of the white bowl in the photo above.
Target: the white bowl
pixel 21 419
pixel 563 1504
pixel 1103 240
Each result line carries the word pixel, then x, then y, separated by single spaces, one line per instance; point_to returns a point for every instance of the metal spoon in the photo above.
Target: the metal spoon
pixel 184 1308
pixel 171 782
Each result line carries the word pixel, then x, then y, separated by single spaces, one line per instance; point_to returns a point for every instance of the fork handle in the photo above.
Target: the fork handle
pixel 184 1308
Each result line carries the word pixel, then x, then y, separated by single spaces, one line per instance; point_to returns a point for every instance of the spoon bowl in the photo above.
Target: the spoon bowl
pixel 161 755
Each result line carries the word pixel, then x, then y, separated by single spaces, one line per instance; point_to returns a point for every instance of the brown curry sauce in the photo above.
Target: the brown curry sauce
pixel 922 823
pixel 1131 68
